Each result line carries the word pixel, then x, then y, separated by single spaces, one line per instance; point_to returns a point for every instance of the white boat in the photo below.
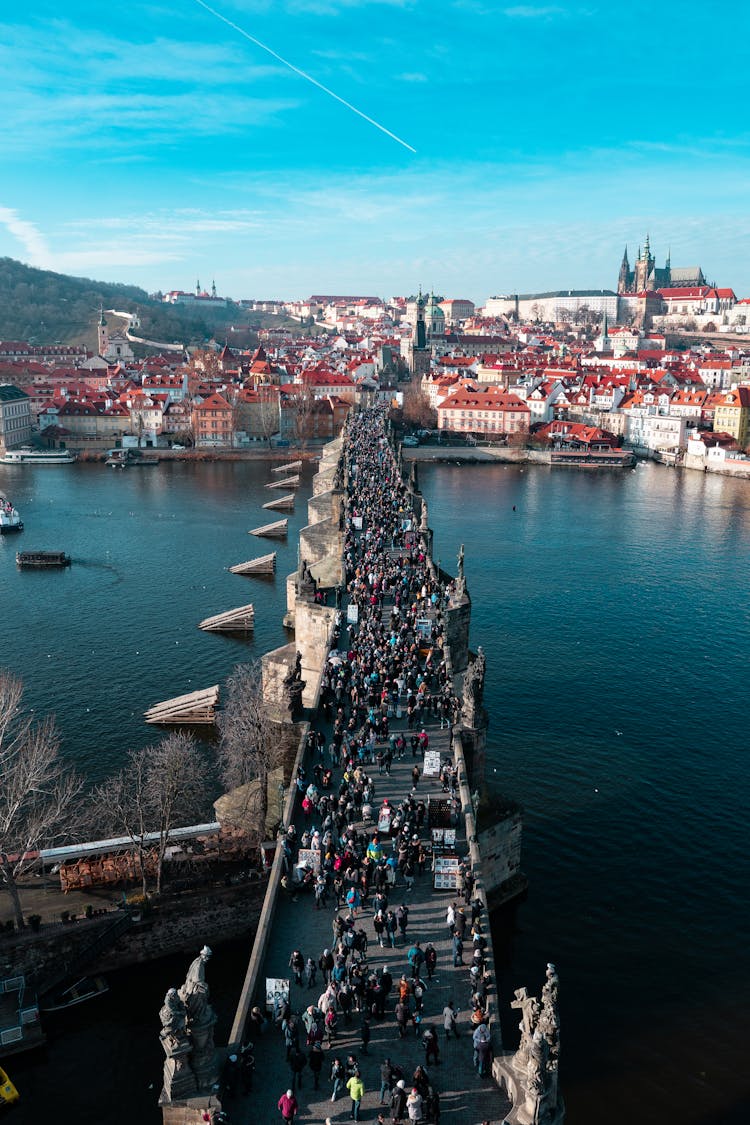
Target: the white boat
pixel 10 520
pixel 26 456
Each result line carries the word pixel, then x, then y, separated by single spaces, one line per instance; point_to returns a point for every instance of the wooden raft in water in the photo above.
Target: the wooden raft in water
pixel 287 482
pixel 197 707
pixel 239 620
pixel 286 468
pixel 266 564
pixel 271 530
pixel 283 504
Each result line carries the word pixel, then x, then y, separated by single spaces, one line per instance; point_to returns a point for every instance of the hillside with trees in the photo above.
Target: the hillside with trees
pixel 52 308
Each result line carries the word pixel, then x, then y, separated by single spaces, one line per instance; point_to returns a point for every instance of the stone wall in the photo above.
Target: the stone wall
pixel 175 925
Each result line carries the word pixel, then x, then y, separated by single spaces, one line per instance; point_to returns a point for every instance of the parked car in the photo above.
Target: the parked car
pixel 410 440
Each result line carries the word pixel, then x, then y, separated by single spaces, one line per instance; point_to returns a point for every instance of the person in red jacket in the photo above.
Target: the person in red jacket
pixel 288 1106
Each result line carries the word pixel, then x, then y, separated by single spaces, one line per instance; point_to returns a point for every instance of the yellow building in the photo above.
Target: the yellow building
pixel 732 414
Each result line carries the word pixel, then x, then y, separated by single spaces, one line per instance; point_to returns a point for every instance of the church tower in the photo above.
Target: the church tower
pixel 623 280
pixel 420 353
pixel 102 336
pixel 644 268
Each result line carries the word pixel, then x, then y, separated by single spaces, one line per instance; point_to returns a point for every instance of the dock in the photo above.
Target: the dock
pixel 239 620
pixel 197 708
pixel 283 504
pixel 264 565
pixel 276 530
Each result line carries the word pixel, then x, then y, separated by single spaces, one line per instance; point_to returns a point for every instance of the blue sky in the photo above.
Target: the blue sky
pixel 154 144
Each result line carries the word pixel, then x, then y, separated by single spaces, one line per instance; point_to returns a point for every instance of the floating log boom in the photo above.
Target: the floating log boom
pixel 288 482
pixel 239 620
pixel 195 708
pixel 283 504
pixel 271 530
pixel 266 564
pixel 286 468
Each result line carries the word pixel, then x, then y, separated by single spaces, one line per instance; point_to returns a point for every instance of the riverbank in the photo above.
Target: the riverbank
pixel 198 456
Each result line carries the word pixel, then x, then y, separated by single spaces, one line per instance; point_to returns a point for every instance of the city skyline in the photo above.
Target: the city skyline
pixel 174 147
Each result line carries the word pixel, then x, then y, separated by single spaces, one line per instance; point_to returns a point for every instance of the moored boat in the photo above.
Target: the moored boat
pixel 10 519
pixel 28 456
pixel 8 1092
pixel 84 989
pixel 40 559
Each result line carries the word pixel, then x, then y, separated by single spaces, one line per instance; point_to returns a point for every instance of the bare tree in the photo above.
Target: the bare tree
pixel 176 788
pixel 120 806
pixel 37 791
pixel 247 736
pixel 304 408
pixel 417 410
pixel 268 412
pixel 160 788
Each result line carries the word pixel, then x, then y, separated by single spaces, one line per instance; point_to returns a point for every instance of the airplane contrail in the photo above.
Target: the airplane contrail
pixel 302 74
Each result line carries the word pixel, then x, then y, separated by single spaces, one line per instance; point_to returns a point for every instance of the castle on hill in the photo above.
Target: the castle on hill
pixel 646 275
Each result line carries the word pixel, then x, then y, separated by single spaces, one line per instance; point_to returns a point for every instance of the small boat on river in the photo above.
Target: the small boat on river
pixel 84 989
pixel 42 559
pixel 8 1092
pixel 128 459
pixel 10 520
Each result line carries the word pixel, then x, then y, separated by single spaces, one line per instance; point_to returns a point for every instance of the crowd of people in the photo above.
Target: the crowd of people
pixel 379 694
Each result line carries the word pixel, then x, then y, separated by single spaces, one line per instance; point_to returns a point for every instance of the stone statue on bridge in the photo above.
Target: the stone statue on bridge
pixel 179 1079
pixel 201 1019
pixel 473 690
pixel 424 518
pixel 460 586
pixel 535 1064
pixel 294 685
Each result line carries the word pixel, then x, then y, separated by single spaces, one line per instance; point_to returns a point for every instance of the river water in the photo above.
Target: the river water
pixel 614 613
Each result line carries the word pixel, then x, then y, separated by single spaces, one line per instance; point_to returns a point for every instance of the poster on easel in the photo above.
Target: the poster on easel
pixel 447 873
pixel 431 764
pixel 309 857
pixel 277 994
pixel 352 613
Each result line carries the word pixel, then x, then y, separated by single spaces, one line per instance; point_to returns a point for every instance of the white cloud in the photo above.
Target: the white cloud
pixel 30 238
pixel 412 76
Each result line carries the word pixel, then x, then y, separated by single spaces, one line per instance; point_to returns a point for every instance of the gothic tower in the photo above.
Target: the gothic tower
pixel 644 268
pixel 623 280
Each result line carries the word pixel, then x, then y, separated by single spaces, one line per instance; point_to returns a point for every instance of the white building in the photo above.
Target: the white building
pixel 663 432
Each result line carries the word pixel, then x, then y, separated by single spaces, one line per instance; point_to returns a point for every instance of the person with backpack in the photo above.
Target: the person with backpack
pixel 398 1102
pixel 297 1063
pixel 331 1024
pixel 386 1079
pixel 290 1031
pixel 391 927
pixel 315 1062
pixel 415 957
pixel 431 1045
pixel 297 965
pixel 337 1077
pixel 402 917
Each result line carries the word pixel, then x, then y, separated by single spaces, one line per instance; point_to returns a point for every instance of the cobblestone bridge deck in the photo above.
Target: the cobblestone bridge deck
pixel 465 1098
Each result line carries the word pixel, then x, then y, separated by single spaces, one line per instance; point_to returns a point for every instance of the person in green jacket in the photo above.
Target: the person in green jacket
pixel 356 1088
